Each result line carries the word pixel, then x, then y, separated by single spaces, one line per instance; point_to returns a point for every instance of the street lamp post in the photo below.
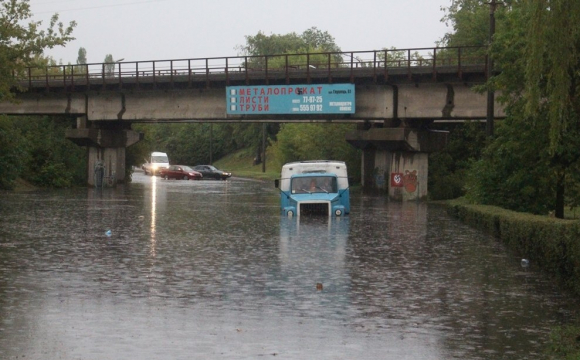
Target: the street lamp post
pixel 119 63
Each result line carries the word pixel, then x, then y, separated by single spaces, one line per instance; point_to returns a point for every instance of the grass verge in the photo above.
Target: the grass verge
pixel 241 164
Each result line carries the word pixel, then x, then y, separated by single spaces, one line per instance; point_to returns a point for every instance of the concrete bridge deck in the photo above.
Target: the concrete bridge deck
pixel 414 84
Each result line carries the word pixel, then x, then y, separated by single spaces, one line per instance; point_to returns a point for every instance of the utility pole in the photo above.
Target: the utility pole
pixel 490 93
pixel 211 143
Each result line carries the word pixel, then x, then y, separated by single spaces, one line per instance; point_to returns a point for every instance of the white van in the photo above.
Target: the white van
pixel 155 162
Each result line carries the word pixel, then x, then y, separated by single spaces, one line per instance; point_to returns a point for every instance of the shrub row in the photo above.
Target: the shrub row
pixel 552 244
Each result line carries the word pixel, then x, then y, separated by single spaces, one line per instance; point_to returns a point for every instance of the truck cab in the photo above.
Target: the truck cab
pixel 318 187
pixel 155 162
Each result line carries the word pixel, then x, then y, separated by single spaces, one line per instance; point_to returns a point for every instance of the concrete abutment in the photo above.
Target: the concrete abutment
pixel 396 160
pixel 105 150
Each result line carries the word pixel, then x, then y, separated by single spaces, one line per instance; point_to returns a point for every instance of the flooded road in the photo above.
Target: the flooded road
pixel 209 270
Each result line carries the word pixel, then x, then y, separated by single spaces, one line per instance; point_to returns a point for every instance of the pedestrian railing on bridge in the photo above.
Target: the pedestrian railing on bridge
pixel 376 65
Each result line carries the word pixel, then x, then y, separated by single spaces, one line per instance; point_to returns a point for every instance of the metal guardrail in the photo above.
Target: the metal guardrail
pixel 375 63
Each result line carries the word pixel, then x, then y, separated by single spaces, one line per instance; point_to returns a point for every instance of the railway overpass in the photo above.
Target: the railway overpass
pixel 395 95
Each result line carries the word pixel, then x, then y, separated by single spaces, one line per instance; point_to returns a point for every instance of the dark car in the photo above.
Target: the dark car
pixel 180 172
pixel 210 172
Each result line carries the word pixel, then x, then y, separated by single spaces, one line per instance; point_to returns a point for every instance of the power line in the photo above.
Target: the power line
pixel 92 7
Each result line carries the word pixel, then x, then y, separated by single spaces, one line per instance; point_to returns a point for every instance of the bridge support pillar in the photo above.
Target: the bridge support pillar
pixel 105 150
pixel 396 160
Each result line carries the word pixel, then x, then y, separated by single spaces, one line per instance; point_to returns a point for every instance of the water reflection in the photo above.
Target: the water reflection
pixel 312 251
pixel 153 214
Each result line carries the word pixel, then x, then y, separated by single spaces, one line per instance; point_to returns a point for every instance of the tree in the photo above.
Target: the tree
pixel 35 149
pixel 470 22
pixel 535 154
pixel 13 152
pixel 21 42
pixel 52 160
pixel 318 39
pixel 552 84
pixel 312 40
pixel 82 58
pixel 400 58
pixel 311 141
pixel 448 167
pixel 514 171
pixel 109 65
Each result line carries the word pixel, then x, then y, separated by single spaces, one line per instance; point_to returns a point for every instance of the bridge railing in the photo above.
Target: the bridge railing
pixel 325 65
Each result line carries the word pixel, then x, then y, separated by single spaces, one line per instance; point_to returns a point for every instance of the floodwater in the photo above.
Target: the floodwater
pixel 162 269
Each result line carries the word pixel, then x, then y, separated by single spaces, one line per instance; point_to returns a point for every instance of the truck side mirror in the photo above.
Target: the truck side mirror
pixel 276 183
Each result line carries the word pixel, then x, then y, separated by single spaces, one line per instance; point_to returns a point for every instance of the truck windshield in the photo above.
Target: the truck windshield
pixel 314 184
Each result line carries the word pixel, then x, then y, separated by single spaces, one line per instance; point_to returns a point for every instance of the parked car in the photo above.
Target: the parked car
pixel 180 172
pixel 210 172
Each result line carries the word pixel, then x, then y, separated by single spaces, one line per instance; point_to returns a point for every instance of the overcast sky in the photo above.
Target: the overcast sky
pixel 180 29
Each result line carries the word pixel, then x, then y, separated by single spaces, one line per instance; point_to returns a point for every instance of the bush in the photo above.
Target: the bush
pixel 35 149
pixel 447 168
pixel 12 153
pixel 565 343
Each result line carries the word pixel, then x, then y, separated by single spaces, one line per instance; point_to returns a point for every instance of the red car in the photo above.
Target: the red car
pixel 180 172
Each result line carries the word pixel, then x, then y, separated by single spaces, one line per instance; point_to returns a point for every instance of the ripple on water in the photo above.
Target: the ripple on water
pixel 209 268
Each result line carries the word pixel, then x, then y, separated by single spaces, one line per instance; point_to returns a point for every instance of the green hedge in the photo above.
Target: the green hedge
pixel 552 244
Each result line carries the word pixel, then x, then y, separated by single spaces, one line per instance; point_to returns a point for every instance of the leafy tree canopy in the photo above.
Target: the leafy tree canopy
pixel 313 38
pixel 297 142
pixel 22 40
pixel 552 86
pixel 531 164
pixel 553 67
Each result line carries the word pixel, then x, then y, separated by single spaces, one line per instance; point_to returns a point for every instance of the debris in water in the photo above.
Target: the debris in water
pixel 108 232
pixel 525 263
pixel 319 286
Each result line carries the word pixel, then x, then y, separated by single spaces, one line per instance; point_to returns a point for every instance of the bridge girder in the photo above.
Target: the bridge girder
pixel 374 102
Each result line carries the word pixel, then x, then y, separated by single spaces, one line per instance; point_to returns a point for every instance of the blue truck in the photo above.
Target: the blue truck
pixel 316 187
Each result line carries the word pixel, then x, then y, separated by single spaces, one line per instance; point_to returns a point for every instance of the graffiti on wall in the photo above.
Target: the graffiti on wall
pixel 379 176
pixel 408 180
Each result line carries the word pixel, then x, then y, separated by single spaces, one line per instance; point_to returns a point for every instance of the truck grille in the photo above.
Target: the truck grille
pixel 314 209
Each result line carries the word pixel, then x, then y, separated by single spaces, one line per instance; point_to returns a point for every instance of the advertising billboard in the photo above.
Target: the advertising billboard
pixel 291 99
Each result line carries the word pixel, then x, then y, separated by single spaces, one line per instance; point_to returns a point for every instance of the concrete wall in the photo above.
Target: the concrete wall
pixel 114 161
pixel 373 102
pixel 402 175
pixel 158 105
pixel 438 100
pixel 45 104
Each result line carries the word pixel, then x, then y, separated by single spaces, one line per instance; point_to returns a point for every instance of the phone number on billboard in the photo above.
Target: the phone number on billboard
pixel 309 108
